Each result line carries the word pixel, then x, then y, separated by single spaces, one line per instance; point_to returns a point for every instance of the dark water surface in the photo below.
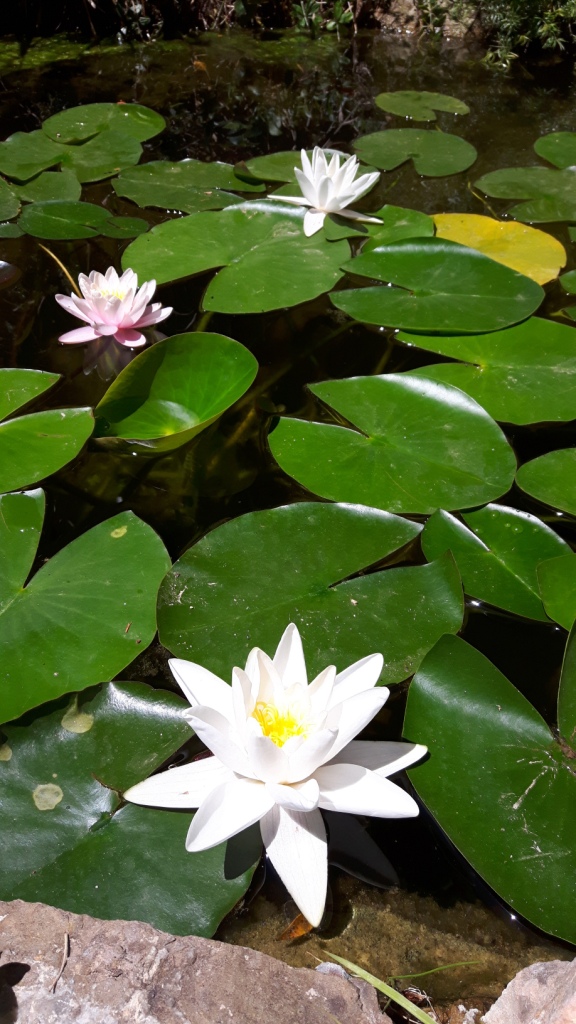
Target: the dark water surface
pixel 230 98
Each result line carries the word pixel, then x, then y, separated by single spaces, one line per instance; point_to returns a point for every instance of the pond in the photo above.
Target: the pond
pixel 233 98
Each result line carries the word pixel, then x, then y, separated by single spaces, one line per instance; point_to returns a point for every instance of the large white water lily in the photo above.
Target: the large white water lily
pixel 114 307
pixel 282 749
pixel 328 187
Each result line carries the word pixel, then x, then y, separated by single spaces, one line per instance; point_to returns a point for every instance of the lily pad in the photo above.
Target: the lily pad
pixel 531 252
pixel 276 166
pixel 124 227
pixel 559 148
pixel 397 223
pixel 50 185
pixel 69 841
pixel 433 153
pixel 417 446
pixel 439 286
pixel 213 606
pixel 25 154
pixel 557 579
pixel 552 194
pixel 89 610
pixel 524 374
pixel 497 782
pixel 80 123
pixel 34 446
pixel 101 157
pixel 497 553
pixel 170 187
pixel 63 219
pixel 420 106
pixel 568 282
pixel 9 202
pixel 10 231
pixel 551 478
pixel 172 391
pixel 268 261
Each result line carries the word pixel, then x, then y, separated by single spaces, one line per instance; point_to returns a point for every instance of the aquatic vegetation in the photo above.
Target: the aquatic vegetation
pixel 282 749
pixel 396 508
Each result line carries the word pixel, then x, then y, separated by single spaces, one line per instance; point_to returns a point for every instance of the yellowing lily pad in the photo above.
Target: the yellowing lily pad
pixel 532 252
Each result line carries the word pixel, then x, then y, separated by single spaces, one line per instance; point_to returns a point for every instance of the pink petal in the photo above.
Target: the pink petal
pixel 79 336
pixel 130 338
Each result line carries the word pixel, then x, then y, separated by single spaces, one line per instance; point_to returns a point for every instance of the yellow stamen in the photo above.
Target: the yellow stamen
pixel 280 723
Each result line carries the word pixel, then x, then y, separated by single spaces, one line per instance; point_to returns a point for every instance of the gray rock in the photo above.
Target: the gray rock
pixel 544 993
pixel 126 971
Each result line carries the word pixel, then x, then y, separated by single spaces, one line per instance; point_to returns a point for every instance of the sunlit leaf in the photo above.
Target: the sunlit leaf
pixel 434 153
pixel 24 154
pixel 417 446
pixel 50 185
pixel 497 553
pixel 172 391
pixel 420 106
pixel 524 374
pixel 497 782
pixel 190 185
pixel 531 252
pixel 551 478
pixel 559 148
pixel 80 123
pixel 86 613
pixel 63 219
pixel 552 194
pixel 438 286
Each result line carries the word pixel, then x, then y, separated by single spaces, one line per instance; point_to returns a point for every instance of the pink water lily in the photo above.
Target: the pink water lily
pixel 114 307
pixel 283 749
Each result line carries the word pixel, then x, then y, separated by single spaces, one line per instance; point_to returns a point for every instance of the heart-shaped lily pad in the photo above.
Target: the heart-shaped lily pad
pixel 559 148
pixel 531 252
pixel 433 153
pixel 551 478
pixel 497 553
pixel 417 446
pixel 268 261
pixel 80 123
pixel 551 194
pixel 439 286
pixel 34 446
pixel 50 185
pixel 172 391
pixel 63 219
pixel 89 610
pixel 420 106
pixel 516 828
pixel 524 374
pixel 213 606
pixel 174 186
pixel 68 841
pixel 9 202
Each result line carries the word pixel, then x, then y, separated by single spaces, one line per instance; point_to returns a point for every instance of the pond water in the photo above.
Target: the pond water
pixel 231 98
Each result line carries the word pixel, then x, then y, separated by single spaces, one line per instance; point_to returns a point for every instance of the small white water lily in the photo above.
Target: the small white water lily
pixel 112 307
pixel 282 749
pixel 329 188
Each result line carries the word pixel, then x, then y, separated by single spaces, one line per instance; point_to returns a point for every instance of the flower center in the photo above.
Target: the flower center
pixel 281 723
pixel 113 293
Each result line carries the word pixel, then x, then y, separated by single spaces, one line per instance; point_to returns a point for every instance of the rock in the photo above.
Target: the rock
pixel 544 993
pixel 126 971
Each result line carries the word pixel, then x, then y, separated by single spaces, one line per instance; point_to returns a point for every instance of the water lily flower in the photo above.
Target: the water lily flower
pixel 283 749
pixel 113 307
pixel 329 188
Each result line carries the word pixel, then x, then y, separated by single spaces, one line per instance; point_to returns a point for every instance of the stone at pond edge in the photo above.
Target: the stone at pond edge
pixel 544 993
pixel 121 971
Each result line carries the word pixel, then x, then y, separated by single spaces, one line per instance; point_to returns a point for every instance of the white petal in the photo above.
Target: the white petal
pixel 298 200
pixel 306 165
pixel 267 761
pixel 296 844
pixel 362 675
pixel 364 183
pixel 308 187
pixel 353 215
pixel 227 810
pixel 304 796
pixel 385 757
pixel 313 221
pixel 289 658
pixel 320 689
pixel 356 790
pixel 313 752
pixel 186 786
pixel 243 700
pixel 202 687
pixel 220 737
pixel 352 716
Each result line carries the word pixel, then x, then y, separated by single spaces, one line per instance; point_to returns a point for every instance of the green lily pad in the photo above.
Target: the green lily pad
pixel 69 842
pixel 397 223
pixel 552 479
pixel 267 260
pixel 25 154
pixel 420 106
pixel 497 553
pixel 63 219
pixel 523 374
pixel 305 554
pixel 567 693
pixel 552 194
pixel 439 286
pixel 124 227
pixel 497 782
pixel 10 231
pixel 85 614
pixel 557 579
pixel 568 282
pixel 276 166
pixel 101 157
pixel 50 185
pixel 34 446
pixel 416 446
pixel 9 202
pixel 173 186
pixel 172 391
pixel 80 123
pixel 559 148
pixel 433 153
